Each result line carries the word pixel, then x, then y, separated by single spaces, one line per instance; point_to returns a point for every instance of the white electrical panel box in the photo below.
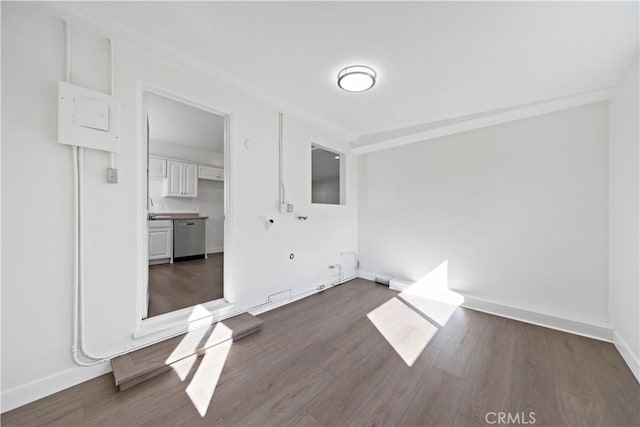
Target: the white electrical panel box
pixel 87 118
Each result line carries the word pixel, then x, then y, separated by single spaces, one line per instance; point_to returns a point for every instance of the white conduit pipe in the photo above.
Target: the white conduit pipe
pixel 280 156
pixel 78 350
pixel 112 155
pixel 78 237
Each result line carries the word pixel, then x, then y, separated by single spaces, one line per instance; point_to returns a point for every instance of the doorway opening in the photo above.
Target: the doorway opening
pixel 186 204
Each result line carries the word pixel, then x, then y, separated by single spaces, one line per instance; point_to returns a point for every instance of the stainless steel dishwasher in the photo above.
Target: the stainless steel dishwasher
pixel 188 237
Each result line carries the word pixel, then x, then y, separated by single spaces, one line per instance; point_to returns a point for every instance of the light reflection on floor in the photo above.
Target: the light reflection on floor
pixel 204 382
pixel 409 321
pixel 209 369
pixel 406 331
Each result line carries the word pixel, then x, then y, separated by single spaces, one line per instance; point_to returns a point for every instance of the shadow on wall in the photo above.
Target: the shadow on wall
pixel 410 320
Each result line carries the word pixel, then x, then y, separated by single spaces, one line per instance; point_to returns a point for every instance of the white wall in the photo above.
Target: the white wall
pixel 183 152
pixel 624 214
pixel 519 211
pixel 37 200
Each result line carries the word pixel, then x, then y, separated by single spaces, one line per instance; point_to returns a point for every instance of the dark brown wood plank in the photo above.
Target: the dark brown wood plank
pixel 132 368
pixel 490 370
pixel 321 361
pixel 436 401
pixel 185 284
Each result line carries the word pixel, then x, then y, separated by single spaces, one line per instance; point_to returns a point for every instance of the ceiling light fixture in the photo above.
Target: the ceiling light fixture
pixel 357 78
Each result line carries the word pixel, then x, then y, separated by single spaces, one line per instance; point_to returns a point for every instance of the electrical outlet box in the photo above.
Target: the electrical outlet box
pixel 112 175
pixel 87 118
pixel 286 207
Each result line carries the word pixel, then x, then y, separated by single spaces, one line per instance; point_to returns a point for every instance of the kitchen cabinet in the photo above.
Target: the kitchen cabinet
pixel 182 179
pixel 160 241
pixel 210 173
pixel 157 167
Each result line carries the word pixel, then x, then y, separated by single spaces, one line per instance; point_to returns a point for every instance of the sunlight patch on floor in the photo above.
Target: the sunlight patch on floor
pixel 438 311
pixel 220 333
pixel 183 367
pixel 431 295
pixel 405 330
pixel 189 343
pixel 204 382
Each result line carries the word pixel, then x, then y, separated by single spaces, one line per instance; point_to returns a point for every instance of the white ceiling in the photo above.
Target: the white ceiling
pixel 178 123
pixel 435 60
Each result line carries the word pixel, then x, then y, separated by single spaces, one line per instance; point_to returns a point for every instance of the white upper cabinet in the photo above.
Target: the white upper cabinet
pixel 182 179
pixel 210 173
pixel 189 180
pixel 157 167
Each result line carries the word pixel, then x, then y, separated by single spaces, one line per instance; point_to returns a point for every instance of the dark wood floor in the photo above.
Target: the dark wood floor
pixel 321 361
pixel 184 284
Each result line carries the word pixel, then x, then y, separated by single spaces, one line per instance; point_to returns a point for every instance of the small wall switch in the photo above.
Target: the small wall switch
pixel 112 175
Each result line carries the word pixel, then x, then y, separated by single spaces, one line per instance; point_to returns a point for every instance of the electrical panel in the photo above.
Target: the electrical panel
pixel 87 118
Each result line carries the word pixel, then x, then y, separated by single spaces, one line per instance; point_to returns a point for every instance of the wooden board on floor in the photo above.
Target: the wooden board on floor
pixel 131 368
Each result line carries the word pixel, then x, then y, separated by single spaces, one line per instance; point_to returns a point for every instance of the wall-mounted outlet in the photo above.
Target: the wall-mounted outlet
pixel 286 207
pixel 112 175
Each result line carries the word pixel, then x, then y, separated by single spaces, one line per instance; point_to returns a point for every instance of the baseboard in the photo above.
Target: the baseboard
pixel 630 359
pixel 215 250
pixel 548 318
pixel 38 389
pixel 541 316
pixel 366 275
pixel 263 308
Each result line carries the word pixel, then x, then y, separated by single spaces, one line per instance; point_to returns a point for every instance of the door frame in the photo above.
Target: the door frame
pixel 208 312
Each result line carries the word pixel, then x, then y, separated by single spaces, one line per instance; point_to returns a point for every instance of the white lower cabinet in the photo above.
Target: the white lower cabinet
pixel 160 241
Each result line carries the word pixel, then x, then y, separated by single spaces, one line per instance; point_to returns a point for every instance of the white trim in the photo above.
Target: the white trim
pixel 46 386
pixel 398 285
pixel 181 320
pixel 548 318
pixel 215 249
pixel 630 359
pixel 485 119
pixel 366 275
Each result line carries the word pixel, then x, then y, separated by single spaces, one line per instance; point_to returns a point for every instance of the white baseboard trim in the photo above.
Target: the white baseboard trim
pixel 541 316
pixel 38 389
pixel 548 318
pixel 366 275
pixel 215 249
pixel 630 359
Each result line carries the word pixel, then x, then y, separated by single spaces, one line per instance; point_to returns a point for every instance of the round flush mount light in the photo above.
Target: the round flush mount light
pixel 357 78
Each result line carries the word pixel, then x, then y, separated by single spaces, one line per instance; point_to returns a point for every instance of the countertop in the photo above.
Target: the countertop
pixel 164 216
